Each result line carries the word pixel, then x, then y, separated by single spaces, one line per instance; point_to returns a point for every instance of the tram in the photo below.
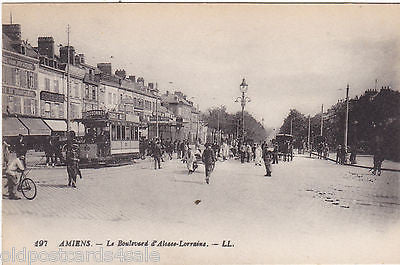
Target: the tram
pixel 282 140
pixel 109 137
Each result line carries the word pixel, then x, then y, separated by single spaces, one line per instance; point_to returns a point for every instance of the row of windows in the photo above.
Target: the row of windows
pixel 124 133
pixel 76 111
pixel 51 109
pixel 56 86
pixel 137 102
pixel 19 105
pixel 90 92
pixel 18 77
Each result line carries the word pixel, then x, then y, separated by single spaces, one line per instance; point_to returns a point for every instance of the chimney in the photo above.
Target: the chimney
pixel 167 93
pixel 121 73
pixel 64 54
pixel 13 31
pixel 80 58
pixel 132 78
pixel 105 68
pixel 46 46
pixel 151 86
pixel 140 80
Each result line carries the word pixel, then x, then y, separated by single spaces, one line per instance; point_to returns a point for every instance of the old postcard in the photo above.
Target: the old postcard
pixel 200 133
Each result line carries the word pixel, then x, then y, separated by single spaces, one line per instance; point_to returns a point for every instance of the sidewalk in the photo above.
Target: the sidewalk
pixel 365 161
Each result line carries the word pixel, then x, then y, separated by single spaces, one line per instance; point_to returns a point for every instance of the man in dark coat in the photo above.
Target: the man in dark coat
pixel 267 157
pixel 72 159
pixel 208 159
pixel 157 155
pixel 21 149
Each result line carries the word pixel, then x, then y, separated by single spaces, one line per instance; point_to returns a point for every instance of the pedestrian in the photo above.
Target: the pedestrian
pixel 378 159
pixel 72 158
pixel 353 154
pixel 157 155
pixel 225 151
pixel 14 169
pixel 49 151
pixel 258 154
pixel 249 153
pixel 169 149
pixel 267 157
pixel 343 154
pixel 253 151
pixel 242 152
pixel 191 161
pixel 58 156
pixel 21 149
pixel 338 154
pixel 6 153
pixel 208 159
pixel 326 151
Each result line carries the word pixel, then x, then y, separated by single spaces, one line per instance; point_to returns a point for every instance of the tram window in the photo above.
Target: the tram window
pixel 128 133
pixel 118 132
pixel 113 133
pixel 122 132
pixel 136 133
pixel 133 133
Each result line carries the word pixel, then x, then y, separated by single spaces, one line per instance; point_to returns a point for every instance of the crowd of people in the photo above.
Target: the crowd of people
pixel 208 154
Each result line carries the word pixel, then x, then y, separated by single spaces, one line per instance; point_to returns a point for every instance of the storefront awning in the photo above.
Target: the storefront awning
pixel 13 127
pixel 78 128
pixel 36 126
pixel 57 125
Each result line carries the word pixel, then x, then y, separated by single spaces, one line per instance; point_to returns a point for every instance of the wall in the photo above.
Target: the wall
pixel 19 84
pixel 52 90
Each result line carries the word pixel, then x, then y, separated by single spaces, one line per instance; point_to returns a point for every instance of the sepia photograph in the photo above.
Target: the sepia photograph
pixel 200 133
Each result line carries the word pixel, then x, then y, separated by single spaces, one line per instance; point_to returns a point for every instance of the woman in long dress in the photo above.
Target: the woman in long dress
pixel 191 158
pixel 258 155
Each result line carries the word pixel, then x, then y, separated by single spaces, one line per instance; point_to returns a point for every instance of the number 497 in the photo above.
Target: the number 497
pixel 41 243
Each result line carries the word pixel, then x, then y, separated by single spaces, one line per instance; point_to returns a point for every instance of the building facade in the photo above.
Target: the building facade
pixel 20 93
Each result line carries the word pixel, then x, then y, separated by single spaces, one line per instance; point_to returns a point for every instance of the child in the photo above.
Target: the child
pixel 14 168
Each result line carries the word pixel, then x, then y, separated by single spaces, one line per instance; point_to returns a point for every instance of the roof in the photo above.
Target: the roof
pixel 176 99
pixel 14 46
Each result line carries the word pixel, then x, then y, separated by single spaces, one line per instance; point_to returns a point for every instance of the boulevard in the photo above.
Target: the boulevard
pixel 309 210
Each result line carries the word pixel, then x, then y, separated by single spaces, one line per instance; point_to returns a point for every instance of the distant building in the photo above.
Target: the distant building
pixel 188 124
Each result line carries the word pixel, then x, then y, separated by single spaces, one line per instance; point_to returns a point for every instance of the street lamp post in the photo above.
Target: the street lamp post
pixel 243 100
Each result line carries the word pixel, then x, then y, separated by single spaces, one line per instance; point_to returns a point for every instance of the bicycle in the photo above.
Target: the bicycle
pixel 27 187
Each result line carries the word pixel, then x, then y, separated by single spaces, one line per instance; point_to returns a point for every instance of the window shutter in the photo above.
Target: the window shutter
pixel 35 82
pixel 61 114
pixel 23 79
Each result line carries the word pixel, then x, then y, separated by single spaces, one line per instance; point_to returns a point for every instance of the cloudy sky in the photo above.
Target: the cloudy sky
pixel 292 56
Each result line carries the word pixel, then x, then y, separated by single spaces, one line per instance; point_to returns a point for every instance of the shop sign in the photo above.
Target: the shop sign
pixel 53 97
pixel 18 92
pixel 17 63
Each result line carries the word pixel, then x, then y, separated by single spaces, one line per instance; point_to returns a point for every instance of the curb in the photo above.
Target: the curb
pixel 360 166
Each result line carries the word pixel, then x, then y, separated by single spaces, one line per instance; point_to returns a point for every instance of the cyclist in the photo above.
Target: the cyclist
pixel 14 167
